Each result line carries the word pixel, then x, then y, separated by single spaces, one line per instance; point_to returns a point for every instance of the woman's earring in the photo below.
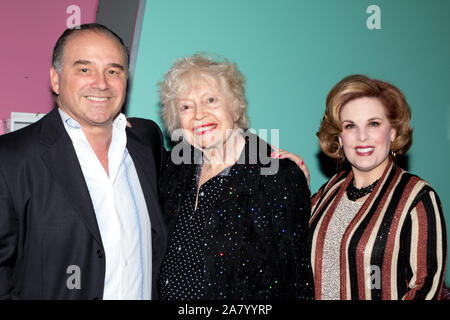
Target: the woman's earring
pixel 341 152
pixel 393 137
pixel 393 154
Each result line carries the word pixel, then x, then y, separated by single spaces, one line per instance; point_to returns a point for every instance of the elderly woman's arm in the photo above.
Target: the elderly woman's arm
pixel 290 217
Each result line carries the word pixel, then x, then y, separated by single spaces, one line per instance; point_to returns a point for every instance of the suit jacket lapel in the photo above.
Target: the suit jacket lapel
pixel 62 162
pixel 144 163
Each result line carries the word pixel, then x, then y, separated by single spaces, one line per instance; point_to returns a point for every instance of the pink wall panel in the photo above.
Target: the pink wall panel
pixel 29 30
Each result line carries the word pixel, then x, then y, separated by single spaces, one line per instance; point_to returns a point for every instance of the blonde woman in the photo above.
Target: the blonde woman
pixel 376 231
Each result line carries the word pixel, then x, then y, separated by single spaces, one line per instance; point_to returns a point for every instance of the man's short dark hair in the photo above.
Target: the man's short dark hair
pixel 58 50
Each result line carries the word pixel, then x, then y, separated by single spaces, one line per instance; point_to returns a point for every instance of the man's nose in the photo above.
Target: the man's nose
pixel 100 82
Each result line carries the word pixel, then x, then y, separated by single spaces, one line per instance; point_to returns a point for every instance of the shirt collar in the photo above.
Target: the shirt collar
pixel 117 149
pixel 68 121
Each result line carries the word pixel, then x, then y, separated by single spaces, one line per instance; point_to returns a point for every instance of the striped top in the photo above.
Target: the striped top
pixel 394 248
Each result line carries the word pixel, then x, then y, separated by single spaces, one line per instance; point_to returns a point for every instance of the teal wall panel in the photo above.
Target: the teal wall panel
pixel 294 51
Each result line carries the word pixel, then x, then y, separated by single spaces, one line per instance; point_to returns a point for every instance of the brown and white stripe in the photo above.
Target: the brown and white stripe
pixel 394 248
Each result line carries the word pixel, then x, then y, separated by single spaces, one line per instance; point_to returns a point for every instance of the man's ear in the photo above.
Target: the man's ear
pixel 54 80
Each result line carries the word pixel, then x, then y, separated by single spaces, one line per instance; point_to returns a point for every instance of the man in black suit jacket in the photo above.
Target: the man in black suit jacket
pixel 50 241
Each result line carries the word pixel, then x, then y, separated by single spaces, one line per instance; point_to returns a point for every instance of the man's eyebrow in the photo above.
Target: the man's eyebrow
pixel 87 62
pixel 117 65
pixel 83 62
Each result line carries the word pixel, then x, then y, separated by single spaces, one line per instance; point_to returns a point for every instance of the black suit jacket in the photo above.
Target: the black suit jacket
pixel 48 227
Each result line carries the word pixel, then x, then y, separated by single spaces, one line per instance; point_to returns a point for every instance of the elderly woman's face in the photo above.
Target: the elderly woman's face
pixel 205 113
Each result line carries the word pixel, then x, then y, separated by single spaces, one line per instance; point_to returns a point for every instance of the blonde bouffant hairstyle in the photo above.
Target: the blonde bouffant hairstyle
pixel 358 86
pixel 179 75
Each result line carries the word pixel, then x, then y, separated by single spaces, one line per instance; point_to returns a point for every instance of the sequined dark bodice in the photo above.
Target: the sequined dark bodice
pixel 248 237
pixel 183 270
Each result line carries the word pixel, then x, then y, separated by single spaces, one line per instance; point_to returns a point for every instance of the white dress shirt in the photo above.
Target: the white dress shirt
pixel 120 210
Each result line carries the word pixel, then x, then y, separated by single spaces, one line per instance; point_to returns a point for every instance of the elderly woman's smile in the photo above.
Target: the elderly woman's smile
pixel 204 128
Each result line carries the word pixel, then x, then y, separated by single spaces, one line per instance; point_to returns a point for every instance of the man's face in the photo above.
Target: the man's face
pixel 91 86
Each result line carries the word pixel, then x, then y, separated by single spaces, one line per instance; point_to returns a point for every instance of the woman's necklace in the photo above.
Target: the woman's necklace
pixel 354 193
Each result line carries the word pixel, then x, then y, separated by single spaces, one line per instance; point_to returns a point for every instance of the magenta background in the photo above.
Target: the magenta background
pixel 28 32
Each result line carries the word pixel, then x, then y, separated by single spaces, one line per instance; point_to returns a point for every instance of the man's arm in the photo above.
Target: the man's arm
pixel 8 239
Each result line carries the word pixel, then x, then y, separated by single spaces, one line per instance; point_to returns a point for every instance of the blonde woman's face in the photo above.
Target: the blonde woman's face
pixel 205 112
pixel 366 135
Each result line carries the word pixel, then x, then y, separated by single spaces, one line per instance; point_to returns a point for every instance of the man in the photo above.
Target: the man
pixel 79 213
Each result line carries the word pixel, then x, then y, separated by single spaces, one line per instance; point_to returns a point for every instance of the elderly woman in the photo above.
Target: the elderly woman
pixel 377 231
pixel 237 227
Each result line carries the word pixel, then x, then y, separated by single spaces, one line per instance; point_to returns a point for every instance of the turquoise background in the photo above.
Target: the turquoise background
pixel 293 52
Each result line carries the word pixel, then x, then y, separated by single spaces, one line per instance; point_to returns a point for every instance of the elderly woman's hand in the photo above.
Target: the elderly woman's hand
pixel 283 154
